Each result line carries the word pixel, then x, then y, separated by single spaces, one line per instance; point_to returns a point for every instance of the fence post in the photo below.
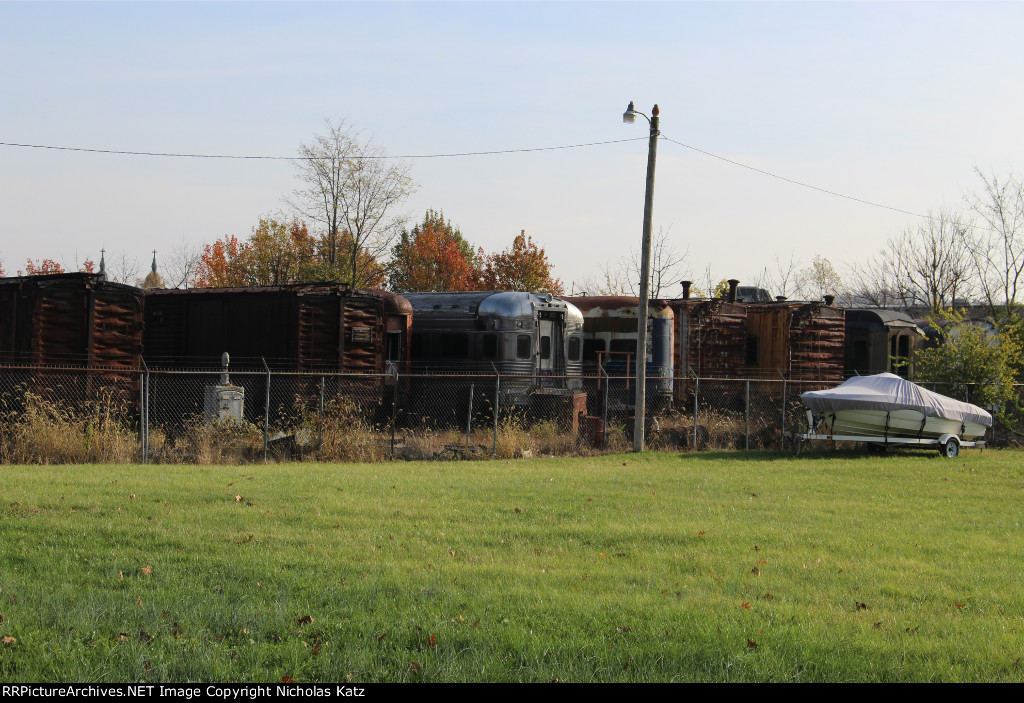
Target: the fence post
pixel 782 439
pixel 604 418
pixel 266 413
pixel 142 415
pixel 696 393
pixel 497 407
pixel 746 430
pixel 321 423
pixel 469 415
pixel 394 405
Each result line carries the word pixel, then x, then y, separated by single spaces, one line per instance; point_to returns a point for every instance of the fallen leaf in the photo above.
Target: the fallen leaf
pixel 518 511
pixel 145 636
pixel 755 571
pixel 147 569
pixel 133 496
pixel 701 533
pixel 316 649
pixel 6 639
pixel 305 620
pixel 475 623
pixel 238 499
pixel 624 629
pixel 431 641
pixel 138 601
pixel 959 605
pixel 752 644
pixel 862 606
pixel 554 680
pixel 414 666
pixel 381 638
pixel 145 667
pixel 121 574
pixel 287 679
pixel 745 605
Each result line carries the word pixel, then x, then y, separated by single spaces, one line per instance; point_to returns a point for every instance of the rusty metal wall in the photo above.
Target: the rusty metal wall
pixel 74 319
pixel 711 338
pixel 817 337
pixel 306 327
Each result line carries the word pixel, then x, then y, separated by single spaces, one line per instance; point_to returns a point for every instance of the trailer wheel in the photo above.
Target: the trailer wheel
pixel 950 449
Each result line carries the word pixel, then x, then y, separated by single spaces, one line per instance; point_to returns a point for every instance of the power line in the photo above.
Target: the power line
pixel 799 183
pixel 302 158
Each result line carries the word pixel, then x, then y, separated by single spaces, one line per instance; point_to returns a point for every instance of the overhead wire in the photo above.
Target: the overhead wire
pixel 492 152
pixel 357 157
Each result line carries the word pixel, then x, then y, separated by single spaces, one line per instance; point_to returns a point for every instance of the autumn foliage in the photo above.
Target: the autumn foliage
pixel 41 268
pixel 433 257
pixel 280 253
pixel 523 266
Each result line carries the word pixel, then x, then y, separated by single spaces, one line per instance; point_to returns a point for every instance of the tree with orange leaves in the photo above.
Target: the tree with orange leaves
pixel 41 268
pixel 523 266
pixel 281 253
pixel 433 257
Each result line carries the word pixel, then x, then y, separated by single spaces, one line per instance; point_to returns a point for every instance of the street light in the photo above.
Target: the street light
pixel 629 117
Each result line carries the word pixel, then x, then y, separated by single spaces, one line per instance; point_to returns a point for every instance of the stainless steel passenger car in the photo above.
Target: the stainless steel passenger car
pixel 535 335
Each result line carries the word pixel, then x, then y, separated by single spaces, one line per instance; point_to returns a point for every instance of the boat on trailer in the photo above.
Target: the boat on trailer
pixel 887 410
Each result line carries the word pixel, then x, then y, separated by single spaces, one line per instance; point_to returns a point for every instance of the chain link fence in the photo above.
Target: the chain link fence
pixel 77 415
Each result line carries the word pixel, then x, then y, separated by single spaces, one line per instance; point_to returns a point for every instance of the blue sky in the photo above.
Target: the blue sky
pixel 894 103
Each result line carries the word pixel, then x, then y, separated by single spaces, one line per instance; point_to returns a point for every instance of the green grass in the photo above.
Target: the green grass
pixel 838 567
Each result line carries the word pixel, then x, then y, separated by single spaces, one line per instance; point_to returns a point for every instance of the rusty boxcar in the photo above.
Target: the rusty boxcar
pixel 795 340
pixel 73 320
pixel 304 327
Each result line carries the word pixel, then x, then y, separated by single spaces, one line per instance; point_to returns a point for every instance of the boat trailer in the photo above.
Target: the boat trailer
pixel 948 444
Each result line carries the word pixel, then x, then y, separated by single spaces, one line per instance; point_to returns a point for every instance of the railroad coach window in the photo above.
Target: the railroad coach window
pixel 591 347
pixel 574 349
pixel 624 345
pixel 545 347
pixel 454 346
pixel 489 346
pixel 523 346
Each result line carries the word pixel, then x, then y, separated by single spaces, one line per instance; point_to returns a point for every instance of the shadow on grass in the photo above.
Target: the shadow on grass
pixel 845 453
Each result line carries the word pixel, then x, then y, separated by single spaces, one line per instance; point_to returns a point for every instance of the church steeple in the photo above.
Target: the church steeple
pixel 153 279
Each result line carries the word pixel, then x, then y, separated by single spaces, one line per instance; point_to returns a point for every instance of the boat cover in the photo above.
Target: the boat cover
pixel 886 391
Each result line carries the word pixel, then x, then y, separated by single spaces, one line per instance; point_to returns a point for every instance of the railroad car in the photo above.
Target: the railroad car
pixel 534 338
pixel 610 334
pixel 73 320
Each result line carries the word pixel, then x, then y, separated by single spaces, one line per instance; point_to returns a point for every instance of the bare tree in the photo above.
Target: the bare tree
pixel 181 265
pixel 121 269
pixel 929 266
pixel 999 249
pixel 870 285
pixel 352 191
pixel 782 280
pixel 667 270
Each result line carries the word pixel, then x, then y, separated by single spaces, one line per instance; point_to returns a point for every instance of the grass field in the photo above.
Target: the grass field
pixel 655 567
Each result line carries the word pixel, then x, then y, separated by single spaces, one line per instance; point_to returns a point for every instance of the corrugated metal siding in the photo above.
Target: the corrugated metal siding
pixel 73 320
pixel 710 337
pixel 817 336
pixel 305 327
